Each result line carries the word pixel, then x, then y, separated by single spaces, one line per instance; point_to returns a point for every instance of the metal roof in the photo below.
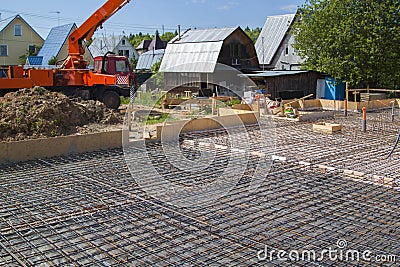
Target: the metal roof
pixel 271 37
pixel 148 59
pixel 157 43
pixel 55 41
pixel 201 36
pixel 195 51
pixel 191 57
pixel 102 44
pixel 143 45
pixel 34 60
pixel 276 73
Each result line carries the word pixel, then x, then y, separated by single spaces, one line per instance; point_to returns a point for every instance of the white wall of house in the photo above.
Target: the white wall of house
pixel 125 48
pixel 286 57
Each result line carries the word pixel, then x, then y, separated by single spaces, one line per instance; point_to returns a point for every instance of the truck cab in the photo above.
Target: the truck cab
pixel 115 65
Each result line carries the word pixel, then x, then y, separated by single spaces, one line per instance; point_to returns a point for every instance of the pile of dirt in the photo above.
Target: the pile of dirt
pixel 37 112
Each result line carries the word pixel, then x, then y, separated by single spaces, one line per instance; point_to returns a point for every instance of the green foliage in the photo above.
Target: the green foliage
pixel 358 41
pixel 253 33
pixel 156 67
pixel 125 100
pixel 154 120
pixel 168 36
pixel 134 62
pixel 136 39
pixel 52 61
pixel 235 102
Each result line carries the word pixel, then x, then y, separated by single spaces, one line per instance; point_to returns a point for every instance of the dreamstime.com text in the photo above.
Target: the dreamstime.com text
pixel 340 252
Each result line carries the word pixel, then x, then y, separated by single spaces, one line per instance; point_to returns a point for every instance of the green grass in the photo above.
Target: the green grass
pixel 162 119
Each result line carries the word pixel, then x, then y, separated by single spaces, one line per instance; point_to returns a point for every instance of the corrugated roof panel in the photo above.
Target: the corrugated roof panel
pixel 34 60
pixel 148 59
pixel 191 57
pixel 208 35
pixel 271 36
pixel 101 45
pixel 276 73
pixel 54 42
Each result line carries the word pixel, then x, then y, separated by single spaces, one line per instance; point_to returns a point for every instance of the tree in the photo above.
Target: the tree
pixel 136 39
pixel 168 36
pixel 253 33
pixel 355 40
pixel 156 66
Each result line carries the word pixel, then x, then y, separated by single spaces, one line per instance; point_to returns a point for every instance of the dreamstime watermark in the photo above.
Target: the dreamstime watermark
pixel 340 252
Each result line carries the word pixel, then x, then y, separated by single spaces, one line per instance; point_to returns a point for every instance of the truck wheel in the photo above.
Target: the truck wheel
pixel 111 99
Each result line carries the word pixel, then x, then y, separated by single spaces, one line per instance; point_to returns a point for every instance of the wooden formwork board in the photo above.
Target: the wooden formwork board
pixel 323 127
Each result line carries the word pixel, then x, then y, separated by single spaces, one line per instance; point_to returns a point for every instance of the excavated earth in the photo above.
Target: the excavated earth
pixel 37 113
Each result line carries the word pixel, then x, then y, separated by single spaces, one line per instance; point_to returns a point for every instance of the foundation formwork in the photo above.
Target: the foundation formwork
pixel 88 210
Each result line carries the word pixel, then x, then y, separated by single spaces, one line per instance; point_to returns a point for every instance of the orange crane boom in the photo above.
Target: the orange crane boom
pixel 76 48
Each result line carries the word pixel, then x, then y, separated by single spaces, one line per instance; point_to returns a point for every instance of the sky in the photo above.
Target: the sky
pixel 148 16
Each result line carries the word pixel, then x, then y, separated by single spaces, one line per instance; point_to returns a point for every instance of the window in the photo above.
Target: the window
pixel 123 53
pixel 121 66
pixel 123 41
pixel 3 50
pixel 286 50
pixel 17 30
pixel 235 50
pixel 32 50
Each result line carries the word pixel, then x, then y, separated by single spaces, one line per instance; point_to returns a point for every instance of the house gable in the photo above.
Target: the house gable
pixel 200 51
pixel 274 46
pixel 17 36
pixel 119 45
pixel 238 51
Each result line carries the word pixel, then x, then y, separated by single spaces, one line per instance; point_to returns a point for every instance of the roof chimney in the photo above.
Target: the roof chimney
pixel 179 32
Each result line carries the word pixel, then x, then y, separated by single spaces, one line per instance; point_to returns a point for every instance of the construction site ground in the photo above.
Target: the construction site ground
pixel 88 210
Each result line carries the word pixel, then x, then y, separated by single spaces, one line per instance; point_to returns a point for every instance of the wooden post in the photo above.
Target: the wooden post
pixel 355 96
pixel 345 107
pixel 258 104
pixel 347 91
pixel 213 105
pixel 364 120
pixel 393 110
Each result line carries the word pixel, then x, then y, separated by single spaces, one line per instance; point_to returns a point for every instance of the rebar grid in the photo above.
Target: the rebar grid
pixel 88 210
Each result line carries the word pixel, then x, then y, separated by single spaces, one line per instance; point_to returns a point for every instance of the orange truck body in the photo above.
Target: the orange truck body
pixel 74 73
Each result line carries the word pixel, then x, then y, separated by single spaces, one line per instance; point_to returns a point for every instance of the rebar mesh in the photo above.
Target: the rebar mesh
pixel 88 210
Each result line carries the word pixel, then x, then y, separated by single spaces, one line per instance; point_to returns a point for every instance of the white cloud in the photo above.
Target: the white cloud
pixel 228 6
pixel 289 8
